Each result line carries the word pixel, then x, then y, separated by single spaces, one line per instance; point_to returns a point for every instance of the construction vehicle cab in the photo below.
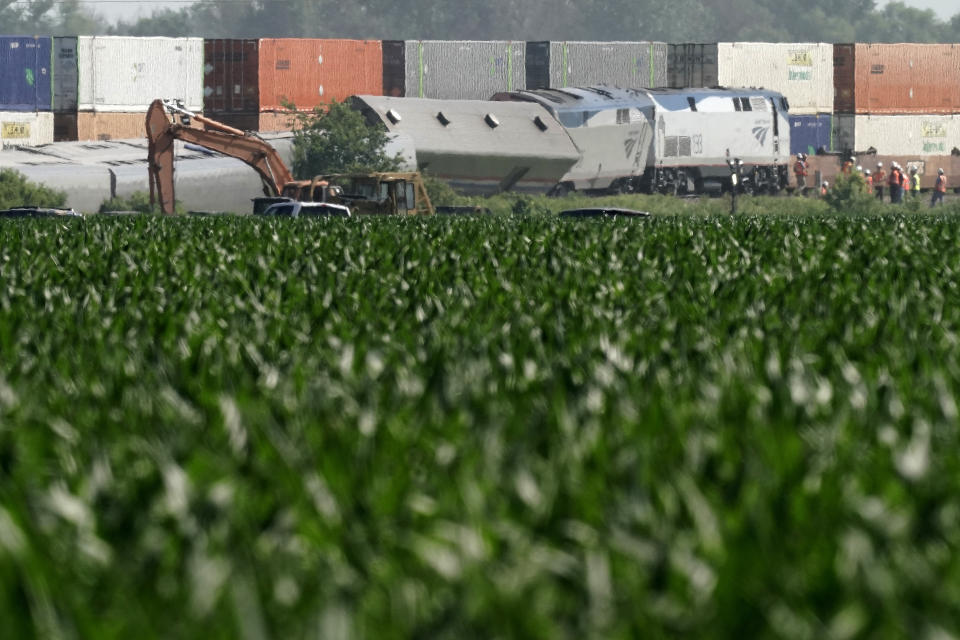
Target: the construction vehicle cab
pixel 366 193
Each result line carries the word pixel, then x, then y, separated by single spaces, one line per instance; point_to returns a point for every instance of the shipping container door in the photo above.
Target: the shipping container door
pixel 538 65
pixel 844 72
pixel 394 65
pixel 65 74
pixel 230 78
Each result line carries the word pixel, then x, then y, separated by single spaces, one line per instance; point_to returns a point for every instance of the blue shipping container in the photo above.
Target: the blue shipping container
pixel 26 79
pixel 809 133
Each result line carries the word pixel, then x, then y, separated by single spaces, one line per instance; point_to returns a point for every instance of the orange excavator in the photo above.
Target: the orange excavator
pixel 247 147
pixel 367 193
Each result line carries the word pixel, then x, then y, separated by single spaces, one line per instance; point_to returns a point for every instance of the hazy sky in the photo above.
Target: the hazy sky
pixel 113 9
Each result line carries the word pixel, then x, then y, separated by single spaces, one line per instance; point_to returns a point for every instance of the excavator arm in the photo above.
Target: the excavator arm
pixel 161 134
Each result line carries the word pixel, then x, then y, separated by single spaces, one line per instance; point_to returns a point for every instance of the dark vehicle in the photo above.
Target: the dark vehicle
pixel 603 212
pixel 39 212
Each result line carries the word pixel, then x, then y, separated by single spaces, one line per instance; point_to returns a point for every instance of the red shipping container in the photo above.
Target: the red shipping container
pixel 248 76
pixel 896 78
pixel 309 72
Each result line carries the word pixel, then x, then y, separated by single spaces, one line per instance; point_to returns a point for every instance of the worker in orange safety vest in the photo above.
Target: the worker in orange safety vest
pixel 800 171
pixel 879 179
pixel 894 183
pixel 847 167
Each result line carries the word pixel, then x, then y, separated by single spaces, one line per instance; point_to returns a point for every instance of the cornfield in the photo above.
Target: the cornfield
pixel 496 427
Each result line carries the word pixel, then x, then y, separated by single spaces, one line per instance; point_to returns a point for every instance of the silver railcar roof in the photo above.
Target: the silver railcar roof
pixel 606 97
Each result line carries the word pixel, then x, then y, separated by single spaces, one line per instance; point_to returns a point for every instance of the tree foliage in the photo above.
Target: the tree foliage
pixel 677 21
pixel 16 190
pixel 338 139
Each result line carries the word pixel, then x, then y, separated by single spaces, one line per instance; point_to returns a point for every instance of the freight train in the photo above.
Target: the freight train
pixel 678 141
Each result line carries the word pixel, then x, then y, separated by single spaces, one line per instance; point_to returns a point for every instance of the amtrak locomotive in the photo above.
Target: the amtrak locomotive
pixel 677 141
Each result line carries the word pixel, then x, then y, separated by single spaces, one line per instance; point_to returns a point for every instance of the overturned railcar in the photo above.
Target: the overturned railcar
pixel 670 140
pixel 478 146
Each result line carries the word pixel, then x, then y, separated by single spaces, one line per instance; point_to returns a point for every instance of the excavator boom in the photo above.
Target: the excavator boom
pixel 161 134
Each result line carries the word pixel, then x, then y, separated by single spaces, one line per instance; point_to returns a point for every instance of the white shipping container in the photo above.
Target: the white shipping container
pixel 463 69
pixel 909 135
pixel 25 128
pixel 631 65
pixel 803 71
pixel 127 74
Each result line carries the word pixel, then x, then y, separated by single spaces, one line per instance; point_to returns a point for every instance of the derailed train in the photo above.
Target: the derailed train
pixel 676 141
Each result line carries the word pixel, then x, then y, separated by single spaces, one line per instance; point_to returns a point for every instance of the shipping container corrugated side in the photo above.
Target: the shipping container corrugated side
pixel 117 74
pixel 463 69
pixel 578 64
pixel 915 135
pixel 26 82
pixel 896 78
pixel 26 128
pixel 309 72
pixel 810 133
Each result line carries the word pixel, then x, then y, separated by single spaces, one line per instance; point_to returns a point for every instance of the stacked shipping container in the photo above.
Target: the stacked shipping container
pixel 247 83
pixel 108 82
pixel 897 98
pixel 453 69
pixel 802 72
pixel 632 65
pixel 900 99
pixel 26 84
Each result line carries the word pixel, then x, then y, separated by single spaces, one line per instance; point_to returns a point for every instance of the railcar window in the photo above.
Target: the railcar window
pixel 692 103
pixel 411 200
pixel 623 116
pixel 784 104
pixel 736 104
pixel 746 104
pixel 670 147
pixel 572 118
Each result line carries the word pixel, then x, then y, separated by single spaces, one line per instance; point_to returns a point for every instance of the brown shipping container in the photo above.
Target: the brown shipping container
pixel 263 121
pixel 99 125
pixel 310 72
pixel 64 127
pixel 231 71
pixel 896 78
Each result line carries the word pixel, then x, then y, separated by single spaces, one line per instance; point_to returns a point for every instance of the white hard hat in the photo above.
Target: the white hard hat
pixel 859 168
pixel 939 170
pixel 879 164
pixel 867 172
pixel 826 184
pixel 852 159
pixel 799 156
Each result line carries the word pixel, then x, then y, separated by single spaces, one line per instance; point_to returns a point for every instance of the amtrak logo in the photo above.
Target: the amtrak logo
pixel 760 133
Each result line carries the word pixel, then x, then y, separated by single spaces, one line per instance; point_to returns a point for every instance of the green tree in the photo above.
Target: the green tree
pixel 338 139
pixel 16 190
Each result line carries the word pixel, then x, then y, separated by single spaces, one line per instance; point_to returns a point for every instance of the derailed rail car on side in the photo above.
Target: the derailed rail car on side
pixel 669 140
